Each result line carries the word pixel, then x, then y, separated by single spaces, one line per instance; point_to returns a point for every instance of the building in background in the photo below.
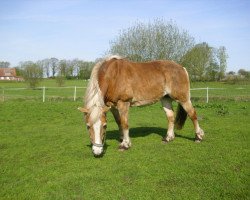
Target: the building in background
pixel 9 74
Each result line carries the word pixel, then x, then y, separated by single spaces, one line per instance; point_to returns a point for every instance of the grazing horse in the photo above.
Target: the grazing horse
pixel 117 84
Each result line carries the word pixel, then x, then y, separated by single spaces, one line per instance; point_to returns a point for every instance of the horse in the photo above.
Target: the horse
pixel 116 84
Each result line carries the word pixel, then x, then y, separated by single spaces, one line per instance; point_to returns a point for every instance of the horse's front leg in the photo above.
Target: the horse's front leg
pixel 116 115
pixel 123 108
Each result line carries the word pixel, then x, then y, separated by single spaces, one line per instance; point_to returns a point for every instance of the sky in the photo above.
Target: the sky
pixel 66 29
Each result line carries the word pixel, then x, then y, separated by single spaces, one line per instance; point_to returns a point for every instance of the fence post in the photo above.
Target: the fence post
pixel 207 94
pixel 43 93
pixel 75 94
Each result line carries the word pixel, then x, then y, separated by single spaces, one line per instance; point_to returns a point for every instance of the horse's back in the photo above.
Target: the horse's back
pixel 141 83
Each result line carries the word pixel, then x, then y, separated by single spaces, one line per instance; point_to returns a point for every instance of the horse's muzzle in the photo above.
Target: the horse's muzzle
pixel 97 149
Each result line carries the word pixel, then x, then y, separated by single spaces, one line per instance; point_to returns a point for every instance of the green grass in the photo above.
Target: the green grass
pixel 45 154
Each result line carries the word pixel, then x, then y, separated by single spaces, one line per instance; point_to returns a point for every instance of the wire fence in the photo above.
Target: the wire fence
pixel 74 93
pixel 43 93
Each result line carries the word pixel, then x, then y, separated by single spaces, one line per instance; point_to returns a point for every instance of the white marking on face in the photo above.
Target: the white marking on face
pixel 97 131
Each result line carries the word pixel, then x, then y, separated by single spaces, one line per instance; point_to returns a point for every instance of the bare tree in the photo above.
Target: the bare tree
pixel 4 64
pixel 32 73
pixel 45 65
pixel 70 69
pixel 54 65
pixel 157 40
pixel 222 57
pixel 62 68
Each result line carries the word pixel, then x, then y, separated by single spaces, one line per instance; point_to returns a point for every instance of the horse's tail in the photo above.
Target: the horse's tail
pixel 181 117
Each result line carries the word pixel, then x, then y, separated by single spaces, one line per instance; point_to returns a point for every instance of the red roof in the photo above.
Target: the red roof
pixel 7 72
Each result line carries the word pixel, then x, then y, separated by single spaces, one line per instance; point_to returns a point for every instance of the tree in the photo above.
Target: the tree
pixel 198 60
pixel 32 73
pixel 49 66
pixel 222 58
pixel 4 64
pixel 70 68
pixel 62 67
pixel 212 71
pixel 53 65
pixel 60 80
pixel 84 69
pixel 157 40
pixel 244 73
pixel 231 73
pixel 19 71
pixel 45 65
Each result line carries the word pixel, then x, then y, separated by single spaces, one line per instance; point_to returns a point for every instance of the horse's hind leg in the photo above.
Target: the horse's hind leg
pixel 167 106
pixel 188 107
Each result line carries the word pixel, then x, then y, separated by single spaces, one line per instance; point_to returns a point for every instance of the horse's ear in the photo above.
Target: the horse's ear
pixel 106 109
pixel 84 110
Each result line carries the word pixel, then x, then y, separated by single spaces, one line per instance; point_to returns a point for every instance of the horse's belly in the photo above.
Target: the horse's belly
pixel 143 102
pixel 147 99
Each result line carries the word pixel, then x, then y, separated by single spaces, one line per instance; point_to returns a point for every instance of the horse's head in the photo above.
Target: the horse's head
pixel 96 123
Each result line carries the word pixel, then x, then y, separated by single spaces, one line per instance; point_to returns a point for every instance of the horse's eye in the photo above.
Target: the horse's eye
pixel 88 126
pixel 105 125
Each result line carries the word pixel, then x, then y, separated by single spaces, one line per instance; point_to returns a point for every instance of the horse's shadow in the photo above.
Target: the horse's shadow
pixel 138 132
pixel 142 132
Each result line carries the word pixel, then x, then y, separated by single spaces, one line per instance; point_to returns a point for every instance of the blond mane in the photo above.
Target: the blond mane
pixel 93 98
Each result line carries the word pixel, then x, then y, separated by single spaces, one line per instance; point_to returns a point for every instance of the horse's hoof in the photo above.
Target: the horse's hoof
pixel 166 140
pixel 197 140
pixel 122 148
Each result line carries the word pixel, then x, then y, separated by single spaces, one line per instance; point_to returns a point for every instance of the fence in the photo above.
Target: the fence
pixel 207 89
pixel 48 93
pixel 43 93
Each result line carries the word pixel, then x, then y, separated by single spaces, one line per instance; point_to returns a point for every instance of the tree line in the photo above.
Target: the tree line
pixel 53 67
pixel 155 40
pixel 34 72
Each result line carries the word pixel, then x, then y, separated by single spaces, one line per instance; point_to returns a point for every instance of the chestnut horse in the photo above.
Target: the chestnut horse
pixel 116 84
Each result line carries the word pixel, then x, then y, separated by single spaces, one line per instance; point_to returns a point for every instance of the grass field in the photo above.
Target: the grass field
pixel 45 154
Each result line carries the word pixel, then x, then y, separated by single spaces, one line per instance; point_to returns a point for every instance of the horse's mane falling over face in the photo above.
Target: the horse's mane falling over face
pixel 93 98
pixel 95 111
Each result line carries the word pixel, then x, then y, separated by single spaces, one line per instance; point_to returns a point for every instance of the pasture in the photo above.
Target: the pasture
pixel 45 153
